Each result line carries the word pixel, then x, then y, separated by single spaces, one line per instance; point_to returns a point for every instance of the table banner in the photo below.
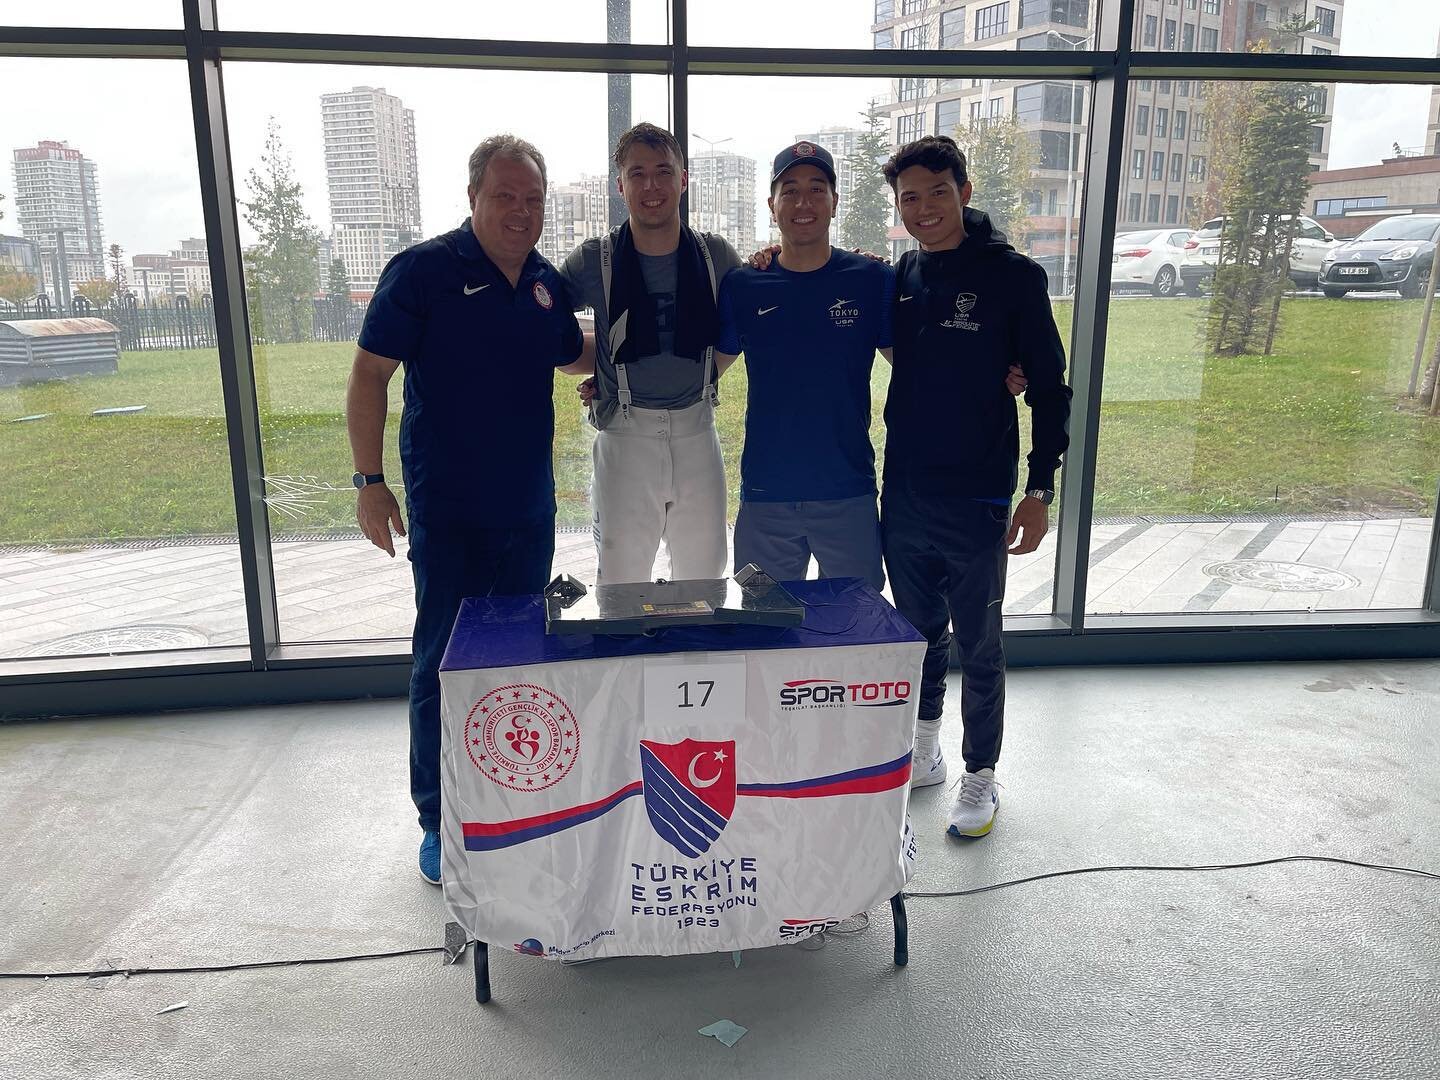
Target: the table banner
pixel 680 802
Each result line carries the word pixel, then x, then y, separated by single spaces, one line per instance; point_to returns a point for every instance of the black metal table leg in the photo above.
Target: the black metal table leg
pixel 902 929
pixel 482 972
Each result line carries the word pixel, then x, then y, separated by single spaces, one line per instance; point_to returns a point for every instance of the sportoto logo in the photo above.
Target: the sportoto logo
pixel 834 694
pixel 689 791
pixel 523 737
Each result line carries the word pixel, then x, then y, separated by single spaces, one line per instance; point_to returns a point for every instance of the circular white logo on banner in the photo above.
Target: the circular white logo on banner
pixel 522 737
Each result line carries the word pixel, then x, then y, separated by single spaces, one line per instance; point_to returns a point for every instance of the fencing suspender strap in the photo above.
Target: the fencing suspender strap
pixel 617 328
pixel 707 386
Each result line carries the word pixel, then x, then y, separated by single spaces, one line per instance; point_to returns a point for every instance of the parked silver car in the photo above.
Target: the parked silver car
pixel 1307 251
pixel 1395 253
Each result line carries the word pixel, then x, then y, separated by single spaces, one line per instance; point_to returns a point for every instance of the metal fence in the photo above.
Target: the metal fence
pixel 183 323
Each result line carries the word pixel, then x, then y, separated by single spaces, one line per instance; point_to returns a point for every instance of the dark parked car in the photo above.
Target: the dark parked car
pixel 1394 254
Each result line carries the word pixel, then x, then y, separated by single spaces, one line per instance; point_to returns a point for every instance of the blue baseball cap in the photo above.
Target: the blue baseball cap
pixel 803 153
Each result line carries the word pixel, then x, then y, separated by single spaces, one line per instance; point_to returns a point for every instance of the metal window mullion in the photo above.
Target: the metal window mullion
pixel 232 333
pixel 1091 313
pixel 680 86
pixel 1430 598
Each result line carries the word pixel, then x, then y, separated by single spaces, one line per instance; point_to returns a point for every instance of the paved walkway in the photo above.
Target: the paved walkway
pixel 152 595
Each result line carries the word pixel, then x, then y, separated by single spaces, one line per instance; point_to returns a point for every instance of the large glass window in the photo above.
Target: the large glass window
pixel 117 521
pixel 853 24
pixel 992 21
pixel 1037 205
pixel 376 161
pixel 952 28
pixel 645 21
pixel 1261 445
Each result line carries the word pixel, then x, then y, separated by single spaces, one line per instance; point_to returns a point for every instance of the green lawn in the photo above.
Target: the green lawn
pixel 1319 426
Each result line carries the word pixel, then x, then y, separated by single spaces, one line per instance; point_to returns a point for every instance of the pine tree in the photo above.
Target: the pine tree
pixel 1001 158
pixel 1263 195
pixel 867 216
pixel 339 287
pixel 117 264
pixel 281 272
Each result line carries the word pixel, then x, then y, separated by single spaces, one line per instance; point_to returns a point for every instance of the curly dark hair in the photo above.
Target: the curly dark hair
pixel 935 152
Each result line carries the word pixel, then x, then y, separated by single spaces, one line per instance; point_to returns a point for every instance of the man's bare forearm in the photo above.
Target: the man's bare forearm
pixel 366 405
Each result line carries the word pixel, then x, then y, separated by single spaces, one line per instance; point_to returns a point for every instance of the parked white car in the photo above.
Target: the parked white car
pixel 1307 251
pixel 1149 259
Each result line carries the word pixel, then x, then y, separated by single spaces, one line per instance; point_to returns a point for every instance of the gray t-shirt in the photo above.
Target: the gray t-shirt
pixel 663 381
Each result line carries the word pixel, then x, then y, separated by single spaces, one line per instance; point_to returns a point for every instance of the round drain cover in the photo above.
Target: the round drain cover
pixel 143 637
pixel 1280 576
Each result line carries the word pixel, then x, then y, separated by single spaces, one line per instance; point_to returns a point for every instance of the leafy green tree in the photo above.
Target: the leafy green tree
pixel 97 290
pixel 281 276
pixel 17 286
pixel 1001 157
pixel 867 214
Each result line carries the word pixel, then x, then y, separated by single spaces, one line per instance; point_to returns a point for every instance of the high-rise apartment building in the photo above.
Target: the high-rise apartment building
pixel 57 194
pixel 841 144
pixel 1166 154
pixel 373 178
pixel 722 197
pixel 573 213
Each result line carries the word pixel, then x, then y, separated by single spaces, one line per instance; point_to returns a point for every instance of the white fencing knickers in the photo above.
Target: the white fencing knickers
pixel 659 475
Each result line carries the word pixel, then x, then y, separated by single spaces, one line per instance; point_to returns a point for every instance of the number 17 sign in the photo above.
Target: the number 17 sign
pixel 694 690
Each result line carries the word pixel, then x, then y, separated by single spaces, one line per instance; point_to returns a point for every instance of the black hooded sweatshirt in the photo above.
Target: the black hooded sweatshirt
pixel 962 317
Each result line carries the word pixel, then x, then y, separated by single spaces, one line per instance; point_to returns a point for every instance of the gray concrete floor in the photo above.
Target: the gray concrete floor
pixel 213 837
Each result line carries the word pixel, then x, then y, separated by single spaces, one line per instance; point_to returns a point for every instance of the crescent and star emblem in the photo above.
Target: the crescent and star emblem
pixel 694 779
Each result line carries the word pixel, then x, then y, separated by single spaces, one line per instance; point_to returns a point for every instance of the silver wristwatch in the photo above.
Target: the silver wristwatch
pixel 1045 496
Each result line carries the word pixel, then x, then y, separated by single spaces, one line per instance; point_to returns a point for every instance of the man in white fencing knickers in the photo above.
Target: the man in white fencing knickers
pixel 652 284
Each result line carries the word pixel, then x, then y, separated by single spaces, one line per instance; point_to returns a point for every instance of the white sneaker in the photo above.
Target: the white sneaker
pixel 974 811
pixel 926 771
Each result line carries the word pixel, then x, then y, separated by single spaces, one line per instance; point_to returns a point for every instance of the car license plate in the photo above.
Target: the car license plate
pixel 1355 271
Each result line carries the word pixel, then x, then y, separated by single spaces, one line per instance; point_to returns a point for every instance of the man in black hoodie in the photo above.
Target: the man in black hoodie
pixel 967 306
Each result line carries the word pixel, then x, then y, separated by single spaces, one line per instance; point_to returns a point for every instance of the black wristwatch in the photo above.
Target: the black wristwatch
pixel 1044 495
pixel 362 480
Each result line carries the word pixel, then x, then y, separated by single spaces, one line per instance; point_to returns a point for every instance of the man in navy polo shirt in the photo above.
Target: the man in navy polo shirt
pixel 473 316
pixel 809 325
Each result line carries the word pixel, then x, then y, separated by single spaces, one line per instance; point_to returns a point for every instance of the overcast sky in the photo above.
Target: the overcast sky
pixel 133 117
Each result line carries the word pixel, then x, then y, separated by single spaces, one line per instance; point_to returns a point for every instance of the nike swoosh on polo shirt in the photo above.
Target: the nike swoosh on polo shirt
pixel 471 292
pixel 767 310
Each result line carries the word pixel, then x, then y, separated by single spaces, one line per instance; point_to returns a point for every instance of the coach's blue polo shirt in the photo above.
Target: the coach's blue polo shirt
pixel 479 356
pixel 809 341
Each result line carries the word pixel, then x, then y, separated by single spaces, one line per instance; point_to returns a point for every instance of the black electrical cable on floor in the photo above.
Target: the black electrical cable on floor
pixel 256 965
pixel 1218 866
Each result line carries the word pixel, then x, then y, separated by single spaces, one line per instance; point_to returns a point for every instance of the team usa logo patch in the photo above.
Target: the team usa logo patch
pixel 523 737
pixel 689 791
pixel 844 312
pixel 804 149
pixel 542 296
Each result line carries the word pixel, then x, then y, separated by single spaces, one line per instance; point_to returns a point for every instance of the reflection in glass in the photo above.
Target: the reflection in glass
pixel 117 522
pixel 1266 441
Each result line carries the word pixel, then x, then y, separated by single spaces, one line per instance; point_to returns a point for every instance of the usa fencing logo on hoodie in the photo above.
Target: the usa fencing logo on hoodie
pixel 964 305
